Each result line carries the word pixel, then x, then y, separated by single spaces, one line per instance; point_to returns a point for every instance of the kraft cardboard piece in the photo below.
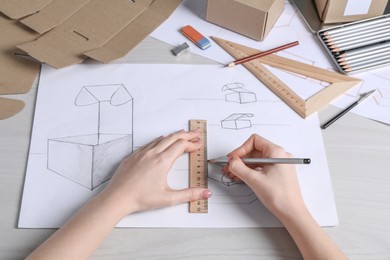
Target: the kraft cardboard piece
pixel 340 11
pixel 17 74
pixel 135 32
pixel 53 15
pixel 251 18
pixel 89 28
pixel 16 9
pixel 10 107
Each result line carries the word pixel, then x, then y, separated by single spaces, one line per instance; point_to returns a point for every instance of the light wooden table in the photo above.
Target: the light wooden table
pixel 358 152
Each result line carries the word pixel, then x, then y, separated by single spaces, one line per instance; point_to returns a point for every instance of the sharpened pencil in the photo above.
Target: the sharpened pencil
pixel 262 54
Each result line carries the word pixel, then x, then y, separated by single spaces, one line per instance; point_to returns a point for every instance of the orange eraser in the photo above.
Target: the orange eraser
pixel 195 36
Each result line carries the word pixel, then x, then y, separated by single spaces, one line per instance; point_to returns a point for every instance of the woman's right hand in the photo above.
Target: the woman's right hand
pixel 276 185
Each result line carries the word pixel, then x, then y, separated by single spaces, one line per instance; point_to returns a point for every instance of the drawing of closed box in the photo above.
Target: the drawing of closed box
pixel 237 121
pixel 237 93
pixel 91 159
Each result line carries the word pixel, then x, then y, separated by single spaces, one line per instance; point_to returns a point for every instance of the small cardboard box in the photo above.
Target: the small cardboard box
pixel 337 11
pixel 251 18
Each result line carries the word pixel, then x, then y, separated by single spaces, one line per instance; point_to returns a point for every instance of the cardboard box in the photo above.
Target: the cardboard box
pixel 251 18
pixel 337 11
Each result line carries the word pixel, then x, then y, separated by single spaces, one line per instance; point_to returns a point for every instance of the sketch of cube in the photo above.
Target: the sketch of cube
pixel 382 97
pixel 238 94
pixel 91 159
pixel 237 121
pixel 85 161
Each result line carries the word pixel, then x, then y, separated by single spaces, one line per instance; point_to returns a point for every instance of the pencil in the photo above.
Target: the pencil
pixel 225 160
pixel 363 33
pixel 370 64
pixel 262 54
pixel 372 53
pixel 360 43
pixel 365 49
pixel 343 112
pixel 357 26
pixel 367 35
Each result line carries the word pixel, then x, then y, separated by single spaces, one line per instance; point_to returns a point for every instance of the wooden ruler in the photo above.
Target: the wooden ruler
pixel 339 83
pixel 199 167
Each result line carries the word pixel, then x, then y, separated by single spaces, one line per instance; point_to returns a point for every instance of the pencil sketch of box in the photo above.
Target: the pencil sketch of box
pixel 91 159
pixel 237 93
pixel 237 121
pixel 382 97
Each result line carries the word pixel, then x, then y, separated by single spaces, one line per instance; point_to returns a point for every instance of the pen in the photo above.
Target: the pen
pixel 225 159
pixel 362 97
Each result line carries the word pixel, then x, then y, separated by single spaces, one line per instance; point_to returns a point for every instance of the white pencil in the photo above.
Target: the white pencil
pixel 329 38
pixel 372 53
pixel 365 49
pixel 366 65
pixel 358 26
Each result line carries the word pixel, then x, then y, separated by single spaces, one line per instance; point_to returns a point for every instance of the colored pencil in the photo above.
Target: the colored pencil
pixel 366 65
pixel 357 26
pixel 363 53
pixel 329 38
pixel 359 43
pixel 357 38
pixel 262 54
pixel 364 59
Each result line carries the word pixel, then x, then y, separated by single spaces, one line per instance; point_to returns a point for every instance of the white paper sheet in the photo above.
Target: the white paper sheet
pixel 288 28
pixel 163 99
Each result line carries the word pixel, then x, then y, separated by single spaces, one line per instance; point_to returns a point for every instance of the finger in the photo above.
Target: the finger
pixel 190 194
pixel 243 172
pixel 172 138
pixel 180 146
pixel 149 145
pixel 257 143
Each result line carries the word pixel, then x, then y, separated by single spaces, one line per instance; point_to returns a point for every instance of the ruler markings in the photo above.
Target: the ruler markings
pixel 199 167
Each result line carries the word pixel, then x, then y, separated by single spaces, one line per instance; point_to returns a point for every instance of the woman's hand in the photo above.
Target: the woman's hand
pixel 140 183
pixel 276 185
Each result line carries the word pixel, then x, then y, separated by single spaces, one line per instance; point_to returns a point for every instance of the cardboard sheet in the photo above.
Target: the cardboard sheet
pixel 53 15
pixel 16 9
pixel 134 32
pixel 94 25
pixel 234 103
pixel 17 73
pixel 9 107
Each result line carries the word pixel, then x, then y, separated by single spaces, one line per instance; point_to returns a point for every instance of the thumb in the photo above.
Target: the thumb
pixel 190 194
pixel 238 168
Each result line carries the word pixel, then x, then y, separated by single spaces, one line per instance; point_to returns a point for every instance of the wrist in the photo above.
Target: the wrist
pixel 114 205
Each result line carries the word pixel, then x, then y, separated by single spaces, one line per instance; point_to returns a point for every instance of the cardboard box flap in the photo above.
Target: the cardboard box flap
pixel 135 32
pixel 263 5
pixel 89 28
pixel 53 15
pixel 17 74
pixel 16 9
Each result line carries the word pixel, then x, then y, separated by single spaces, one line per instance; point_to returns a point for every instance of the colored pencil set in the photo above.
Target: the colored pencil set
pixel 359 45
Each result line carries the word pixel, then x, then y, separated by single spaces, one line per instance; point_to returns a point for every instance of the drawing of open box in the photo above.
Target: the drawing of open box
pixel 91 159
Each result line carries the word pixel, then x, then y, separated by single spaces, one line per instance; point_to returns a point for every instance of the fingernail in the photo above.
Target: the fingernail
pixel 230 159
pixel 206 194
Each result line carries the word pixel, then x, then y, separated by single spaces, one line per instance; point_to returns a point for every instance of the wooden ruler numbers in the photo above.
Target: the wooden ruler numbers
pixel 199 167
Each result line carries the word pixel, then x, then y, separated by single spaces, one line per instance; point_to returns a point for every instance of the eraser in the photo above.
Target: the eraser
pixel 180 49
pixel 195 36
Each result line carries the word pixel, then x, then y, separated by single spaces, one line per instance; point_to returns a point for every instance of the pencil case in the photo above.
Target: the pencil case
pixel 358 46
